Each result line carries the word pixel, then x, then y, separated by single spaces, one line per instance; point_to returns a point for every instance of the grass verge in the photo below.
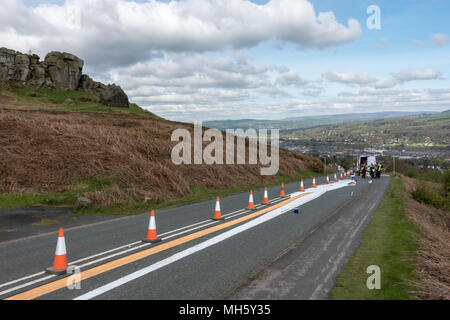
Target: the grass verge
pixel 390 241
pixel 8 201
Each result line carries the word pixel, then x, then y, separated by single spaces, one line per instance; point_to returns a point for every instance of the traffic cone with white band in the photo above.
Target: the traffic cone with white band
pixel 328 179
pixel 314 182
pixel 266 197
pixel 217 212
pixel 151 233
pixel 302 188
pixel 335 177
pixel 60 264
pixel 282 193
pixel 251 204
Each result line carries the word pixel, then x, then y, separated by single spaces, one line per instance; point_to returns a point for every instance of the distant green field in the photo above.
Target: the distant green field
pixel 419 132
pixel 289 126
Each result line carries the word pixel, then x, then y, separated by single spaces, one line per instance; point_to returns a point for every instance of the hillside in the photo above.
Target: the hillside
pixel 291 124
pixel 413 132
pixel 60 144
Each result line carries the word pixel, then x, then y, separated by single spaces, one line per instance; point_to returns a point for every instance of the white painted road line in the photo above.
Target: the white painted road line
pixel 76 262
pixel 26 284
pixel 219 238
pixel 21 279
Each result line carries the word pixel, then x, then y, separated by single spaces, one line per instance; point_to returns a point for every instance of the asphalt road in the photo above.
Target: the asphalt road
pixel 308 268
pixel 221 270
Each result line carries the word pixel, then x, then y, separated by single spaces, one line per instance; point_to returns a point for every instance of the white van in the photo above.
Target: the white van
pixel 367 159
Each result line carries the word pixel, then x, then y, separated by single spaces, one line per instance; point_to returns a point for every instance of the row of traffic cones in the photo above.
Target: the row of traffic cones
pixel 341 177
pixel 60 264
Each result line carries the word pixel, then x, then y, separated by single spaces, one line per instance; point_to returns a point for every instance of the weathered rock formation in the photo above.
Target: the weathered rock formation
pixel 114 96
pixel 89 85
pixel 64 69
pixel 58 70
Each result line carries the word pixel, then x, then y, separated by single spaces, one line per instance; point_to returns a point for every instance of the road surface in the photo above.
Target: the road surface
pixel 200 258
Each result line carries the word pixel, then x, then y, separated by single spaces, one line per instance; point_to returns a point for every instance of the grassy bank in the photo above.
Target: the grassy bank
pixel 68 198
pixel 58 145
pixel 389 242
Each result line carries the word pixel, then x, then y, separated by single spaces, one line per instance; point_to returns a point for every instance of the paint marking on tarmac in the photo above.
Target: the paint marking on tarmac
pixel 287 206
pixel 229 215
pixel 110 256
pixel 226 216
pixel 61 283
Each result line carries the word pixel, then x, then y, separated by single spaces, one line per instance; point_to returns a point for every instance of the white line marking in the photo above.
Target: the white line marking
pixel 219 238
pixel 112 255
pixel 26 284
pixel 273 201
pixel 21 279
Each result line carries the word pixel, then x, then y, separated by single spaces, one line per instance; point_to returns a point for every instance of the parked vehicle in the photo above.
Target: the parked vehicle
pixel 367 159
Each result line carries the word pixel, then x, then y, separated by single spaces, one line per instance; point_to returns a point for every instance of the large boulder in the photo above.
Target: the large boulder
pixel 64 69
pixel 22 67
pixel 89 85
pixel 37 72
pixel 7 63
pixel 114 96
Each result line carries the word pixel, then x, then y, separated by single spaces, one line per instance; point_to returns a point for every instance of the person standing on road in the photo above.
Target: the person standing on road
pixel 379 170
pixel 373 172
pixel 363 170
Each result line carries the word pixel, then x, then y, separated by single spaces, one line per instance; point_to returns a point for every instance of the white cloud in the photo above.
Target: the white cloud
pixel 385 83
pixel 365 79
pixel 119 32
pixel 349 77
pixel 418 74
pixel 440 39
pixel 417 43
pixel 382 44
pixel 291 78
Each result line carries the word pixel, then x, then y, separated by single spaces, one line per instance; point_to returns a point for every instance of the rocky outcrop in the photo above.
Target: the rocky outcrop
pixel 114 96
pixel 64 69
pixel 58 70
pixel 8 64
pixel 89 85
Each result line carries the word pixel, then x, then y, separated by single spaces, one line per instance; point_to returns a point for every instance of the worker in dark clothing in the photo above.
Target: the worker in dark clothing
pixel 363 170
pixel 373 172
pixel 379 170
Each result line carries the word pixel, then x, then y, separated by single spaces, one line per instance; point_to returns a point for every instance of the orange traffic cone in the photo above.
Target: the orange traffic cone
pixel 335 177
pixel 251 204
pixel 266 197
pixel 328 180
pixel 282 194
pixel 60 264
pixel 314 182
pixel 302 188
pixel 151 233
pixel 341 176
pixel 217 213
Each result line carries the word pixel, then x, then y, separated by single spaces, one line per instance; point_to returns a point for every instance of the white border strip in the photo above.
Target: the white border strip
pixel 221 237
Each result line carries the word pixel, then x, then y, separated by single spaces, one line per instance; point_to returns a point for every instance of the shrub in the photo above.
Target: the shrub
pixel 446 183
pixel 426 196
pixel 411 173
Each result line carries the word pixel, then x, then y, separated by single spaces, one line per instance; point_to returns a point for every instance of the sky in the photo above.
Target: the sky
pixel 192 60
